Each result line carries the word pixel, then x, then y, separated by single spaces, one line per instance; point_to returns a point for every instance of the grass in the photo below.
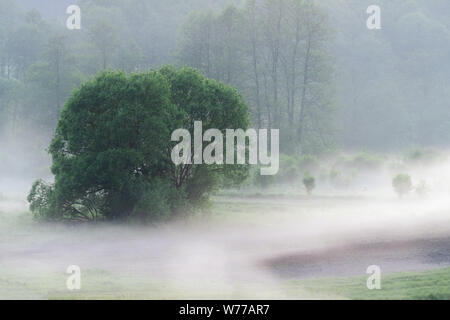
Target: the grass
pixel 428 285
pixel 30 282
pixel 102 284
pixel 96 284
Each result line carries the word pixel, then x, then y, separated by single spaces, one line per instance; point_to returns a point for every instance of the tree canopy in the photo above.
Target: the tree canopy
pixel 112 147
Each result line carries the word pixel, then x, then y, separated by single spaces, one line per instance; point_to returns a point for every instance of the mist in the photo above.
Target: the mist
pixel 364 175
pixel 248 252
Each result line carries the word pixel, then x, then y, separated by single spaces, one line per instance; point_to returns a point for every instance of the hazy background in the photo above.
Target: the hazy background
pixel 383 90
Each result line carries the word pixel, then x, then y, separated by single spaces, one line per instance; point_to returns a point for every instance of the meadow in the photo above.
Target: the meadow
pixel 249 245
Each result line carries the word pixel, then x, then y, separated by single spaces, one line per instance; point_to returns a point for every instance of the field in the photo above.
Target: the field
pixel 427 285
pixel 250 246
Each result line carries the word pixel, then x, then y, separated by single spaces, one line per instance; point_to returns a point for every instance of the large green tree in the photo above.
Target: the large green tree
pixel 112 147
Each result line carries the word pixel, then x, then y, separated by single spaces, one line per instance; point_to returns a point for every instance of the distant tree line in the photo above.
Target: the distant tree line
pixel 276 53
pixel 310 68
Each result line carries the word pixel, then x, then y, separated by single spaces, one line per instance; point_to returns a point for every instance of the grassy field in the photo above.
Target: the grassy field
pixel 429 285
pixel 101 284
pixel 37 280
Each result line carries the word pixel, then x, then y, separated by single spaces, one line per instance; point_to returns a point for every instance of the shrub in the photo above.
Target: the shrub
pixel 402 184
pixel 309 182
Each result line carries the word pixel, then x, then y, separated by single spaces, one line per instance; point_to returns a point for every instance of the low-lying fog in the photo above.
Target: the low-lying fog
pixel 247 247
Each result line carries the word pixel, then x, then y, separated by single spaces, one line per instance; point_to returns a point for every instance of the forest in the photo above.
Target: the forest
pixel 314 70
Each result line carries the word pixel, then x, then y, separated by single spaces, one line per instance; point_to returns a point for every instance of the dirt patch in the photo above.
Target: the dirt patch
pixel 353 260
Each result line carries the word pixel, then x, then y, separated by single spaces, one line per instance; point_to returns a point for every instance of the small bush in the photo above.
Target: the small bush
pixel 309 182
pixel 402 184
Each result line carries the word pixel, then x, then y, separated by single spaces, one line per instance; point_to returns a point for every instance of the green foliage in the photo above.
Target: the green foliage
pixel 41 199
pixel 154 202
pixel 111 149
pixel 402 184
pixel 218 106
pixel 421 156
pixel 366 161
pixel 426 285
pixel 309 182
pixel 109 139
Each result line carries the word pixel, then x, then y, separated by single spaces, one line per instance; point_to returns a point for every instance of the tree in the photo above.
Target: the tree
pixel 21 44
pixel 112 148
pixel 315 127
pixel 196 42
pixel 218 106
pixel 103 35
pixel 109 143
pixel 253 36
pixel 402 184
pixel 309 182
pixel 50 81
pixel 11 92
pixel 276 53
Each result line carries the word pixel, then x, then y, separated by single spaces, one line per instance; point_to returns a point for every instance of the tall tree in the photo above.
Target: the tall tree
pixel 277 56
